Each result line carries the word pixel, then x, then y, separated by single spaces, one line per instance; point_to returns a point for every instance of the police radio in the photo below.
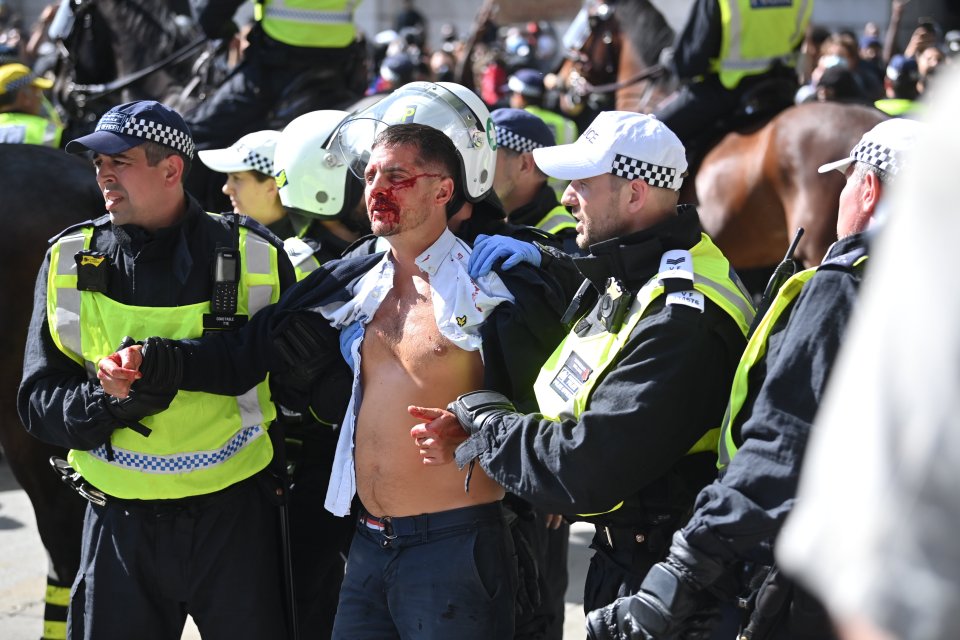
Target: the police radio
pixel 226 279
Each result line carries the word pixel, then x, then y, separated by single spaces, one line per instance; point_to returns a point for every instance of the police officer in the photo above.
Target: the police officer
pixel 727 47
pixel 631 399
pixel 302 53
pixel 320 199
pixel 520 184
pixel 776 392
pixel 248 164
pixel 182 516
pixel 22 108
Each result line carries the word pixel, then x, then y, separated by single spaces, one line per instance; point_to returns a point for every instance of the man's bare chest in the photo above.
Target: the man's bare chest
pixel 405 328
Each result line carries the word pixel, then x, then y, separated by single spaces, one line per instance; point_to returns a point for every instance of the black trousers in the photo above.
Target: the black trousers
pixel 146 565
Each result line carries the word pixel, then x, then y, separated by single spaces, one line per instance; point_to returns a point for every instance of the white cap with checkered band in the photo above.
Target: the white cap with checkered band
pixel 252 152
pixel 883 147
pixel 626 144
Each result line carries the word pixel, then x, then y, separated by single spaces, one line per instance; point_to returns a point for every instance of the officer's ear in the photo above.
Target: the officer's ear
pixel 527 163
pixel 173 168
pixel 635 195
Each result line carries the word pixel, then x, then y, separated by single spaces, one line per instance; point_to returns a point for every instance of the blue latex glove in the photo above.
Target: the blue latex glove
pixel 487 250
pixel 349 335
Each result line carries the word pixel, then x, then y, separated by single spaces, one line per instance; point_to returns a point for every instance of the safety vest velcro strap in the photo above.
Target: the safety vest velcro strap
pixel 306 15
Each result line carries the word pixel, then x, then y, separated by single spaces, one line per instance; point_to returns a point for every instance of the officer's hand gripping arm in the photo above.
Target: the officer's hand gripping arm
pixel 161 370
pixel 671 594
pixel 487 250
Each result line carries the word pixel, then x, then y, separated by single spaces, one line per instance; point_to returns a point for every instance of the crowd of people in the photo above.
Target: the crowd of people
pixel 439 327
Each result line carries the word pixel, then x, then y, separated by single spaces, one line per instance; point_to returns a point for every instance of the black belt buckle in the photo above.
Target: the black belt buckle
pixel 76 482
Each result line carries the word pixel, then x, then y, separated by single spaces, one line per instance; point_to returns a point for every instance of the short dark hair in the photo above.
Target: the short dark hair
pixel 155 152
pixel 433 145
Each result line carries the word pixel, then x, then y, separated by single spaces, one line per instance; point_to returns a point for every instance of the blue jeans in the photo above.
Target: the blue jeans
pixel 437 576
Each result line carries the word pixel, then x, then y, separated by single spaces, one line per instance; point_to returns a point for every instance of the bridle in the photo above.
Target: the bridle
pixel 600 19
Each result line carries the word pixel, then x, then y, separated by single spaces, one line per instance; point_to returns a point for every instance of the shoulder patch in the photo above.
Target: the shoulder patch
pixel 693 299
pixel 96 222
pixel 847 261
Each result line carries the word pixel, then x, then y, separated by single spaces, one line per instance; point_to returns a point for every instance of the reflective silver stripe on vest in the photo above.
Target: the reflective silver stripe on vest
pixel 67 323
pixel 742 305
pixel 258 261
pixel 734 62
pixel 179 462
pixel 279 11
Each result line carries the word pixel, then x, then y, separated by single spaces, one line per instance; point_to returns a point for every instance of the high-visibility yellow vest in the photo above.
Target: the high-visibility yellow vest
pixel 755 350
pixel 24 128
pixel 301 256
pixel 556 220
pixel 203 442
pixel 567 379
pixel 758 33
pixel 308 23
pixel 896 106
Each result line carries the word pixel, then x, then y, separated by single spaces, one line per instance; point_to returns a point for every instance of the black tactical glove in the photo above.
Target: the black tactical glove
pixel 162 369
pixel 476 408
pixel 671 603
pixel 311 376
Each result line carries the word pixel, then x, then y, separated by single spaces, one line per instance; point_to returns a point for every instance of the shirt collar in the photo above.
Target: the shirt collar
pixel 436 254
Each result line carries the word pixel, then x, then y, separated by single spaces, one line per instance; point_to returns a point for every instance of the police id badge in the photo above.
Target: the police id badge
pixel 572 376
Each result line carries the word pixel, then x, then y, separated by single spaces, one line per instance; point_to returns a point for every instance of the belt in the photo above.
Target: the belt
pixel 87 491
pixel 393 527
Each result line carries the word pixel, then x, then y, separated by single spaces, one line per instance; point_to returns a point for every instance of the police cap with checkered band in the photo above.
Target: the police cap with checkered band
pixel 521 130
pixel 131 124
pixel 626 144
pixel 883 147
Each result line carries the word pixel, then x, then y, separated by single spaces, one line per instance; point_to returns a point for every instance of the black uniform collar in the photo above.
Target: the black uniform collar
pixel 852 244
pixel 633 259
pixel 147 246
pixel 532 212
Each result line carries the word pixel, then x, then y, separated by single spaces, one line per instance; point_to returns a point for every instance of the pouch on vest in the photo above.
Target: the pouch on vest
pixel 92 272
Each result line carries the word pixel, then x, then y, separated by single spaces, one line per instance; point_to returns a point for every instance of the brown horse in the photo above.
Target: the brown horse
pixel 756 185
pixel 46 191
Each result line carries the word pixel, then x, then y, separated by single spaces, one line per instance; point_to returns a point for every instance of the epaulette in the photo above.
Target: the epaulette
pixel 847 261
pixel 96 222
pixel 259 228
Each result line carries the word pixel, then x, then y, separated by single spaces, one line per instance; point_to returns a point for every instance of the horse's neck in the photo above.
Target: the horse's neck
pixel 143 31
pixel 644 34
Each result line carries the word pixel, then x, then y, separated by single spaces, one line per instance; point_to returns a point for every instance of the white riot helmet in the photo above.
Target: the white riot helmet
pixel 449 107
pixel 310 176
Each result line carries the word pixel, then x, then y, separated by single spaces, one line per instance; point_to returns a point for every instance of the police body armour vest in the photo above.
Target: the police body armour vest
pixel 758 33
pixel 308 23
pixel 755 350
pixel 556 220
pixel 203 442
pixel 567 379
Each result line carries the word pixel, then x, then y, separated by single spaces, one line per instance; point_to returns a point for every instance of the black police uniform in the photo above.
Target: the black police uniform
pixel 667 387
pixel 59 404
pixel 738 517
pixel 319 540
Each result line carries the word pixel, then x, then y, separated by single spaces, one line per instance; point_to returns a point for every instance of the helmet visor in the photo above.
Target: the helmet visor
pixel 417 102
